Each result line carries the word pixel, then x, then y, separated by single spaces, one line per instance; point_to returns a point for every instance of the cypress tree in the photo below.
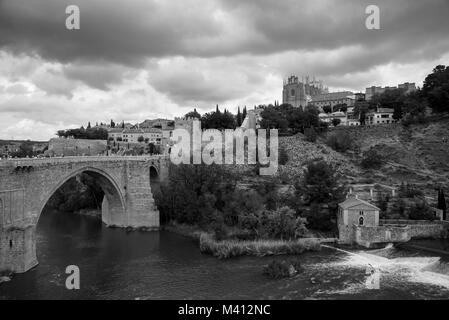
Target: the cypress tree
pixel 239 117
pixel 442 202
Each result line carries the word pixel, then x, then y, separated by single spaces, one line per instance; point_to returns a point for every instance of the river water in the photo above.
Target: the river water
pixel 116 264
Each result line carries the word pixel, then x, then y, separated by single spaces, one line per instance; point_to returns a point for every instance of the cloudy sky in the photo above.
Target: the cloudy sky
pixel 138 59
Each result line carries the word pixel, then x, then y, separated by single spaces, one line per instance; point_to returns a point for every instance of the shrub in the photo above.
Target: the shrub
pixel 339 141
pixel 282 269
pixel 372 160
pixel 282 224
pixel 310 134
pixel 283 156
pixel 336 122
pixel 421 211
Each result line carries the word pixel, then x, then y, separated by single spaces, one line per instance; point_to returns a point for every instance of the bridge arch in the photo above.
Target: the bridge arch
pixel 113 206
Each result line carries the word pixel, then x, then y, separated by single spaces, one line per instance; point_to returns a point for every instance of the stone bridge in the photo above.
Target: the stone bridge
pixel 27 184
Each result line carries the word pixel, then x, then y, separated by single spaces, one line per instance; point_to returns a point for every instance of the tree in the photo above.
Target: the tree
pixel 244 113
pixel 397 113
pixel 336 122
pixel 274 118
pixel 140 139
pixel 436 89
pixel 88 125
pixel 239 117
pixel 112 124
pixel 310 134
pixel 343 107
pixel 421 211
pixel 327 109
pixel 360 110
pixel 320 184
pixel 442 203
pixel 218 120
pixel 193 114
pixel 339 141
pixel 25 150
pixel 96 133
pixel 371 159
pixel 319 193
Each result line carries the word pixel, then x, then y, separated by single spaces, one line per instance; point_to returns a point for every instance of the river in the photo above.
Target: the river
pixel 116 264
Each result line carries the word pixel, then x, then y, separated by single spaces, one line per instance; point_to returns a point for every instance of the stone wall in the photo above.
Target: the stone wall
pixel 367 236
pixel 419 229
pixel 17 249
pixel 76 147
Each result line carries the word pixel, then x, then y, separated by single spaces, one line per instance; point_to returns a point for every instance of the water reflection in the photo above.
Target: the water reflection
pixel 115 264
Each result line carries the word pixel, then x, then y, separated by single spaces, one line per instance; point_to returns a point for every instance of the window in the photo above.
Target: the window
pixel 361 219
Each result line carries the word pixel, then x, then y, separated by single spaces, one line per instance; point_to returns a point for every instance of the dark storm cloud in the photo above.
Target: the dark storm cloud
pixel 202 52
pixel 129 31
pixel 98 76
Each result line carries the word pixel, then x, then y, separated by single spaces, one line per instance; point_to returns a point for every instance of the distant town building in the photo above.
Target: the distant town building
pixel 380 116
pixel 252 119
pixel 186 123
pixel 300 93
pixel 157 123
pixel 371 91
pixel 332 99
pixel 147 135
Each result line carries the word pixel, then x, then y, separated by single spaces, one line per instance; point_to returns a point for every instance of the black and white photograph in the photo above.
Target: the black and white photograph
pixel 224 154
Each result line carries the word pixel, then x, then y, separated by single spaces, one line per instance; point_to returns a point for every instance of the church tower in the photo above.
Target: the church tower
pixel 293 92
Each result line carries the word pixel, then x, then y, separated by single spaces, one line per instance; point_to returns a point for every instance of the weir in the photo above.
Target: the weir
pixel 430 270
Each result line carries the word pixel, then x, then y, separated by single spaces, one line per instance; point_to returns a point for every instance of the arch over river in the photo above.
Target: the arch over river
pixel 26 185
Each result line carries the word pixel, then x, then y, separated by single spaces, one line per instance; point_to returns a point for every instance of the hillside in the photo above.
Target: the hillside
pixel 418 154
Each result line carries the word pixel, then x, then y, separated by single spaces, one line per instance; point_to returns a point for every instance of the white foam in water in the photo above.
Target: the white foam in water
pixel 415 269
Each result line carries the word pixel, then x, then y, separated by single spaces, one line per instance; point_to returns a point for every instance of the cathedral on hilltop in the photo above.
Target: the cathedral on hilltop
pixel 300 93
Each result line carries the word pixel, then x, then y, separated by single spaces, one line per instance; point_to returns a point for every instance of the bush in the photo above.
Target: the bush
pixel 310 134
pixel 371 160
pixel 409 191
pixel 283 156
pixel 319 218
pixel 282 269
pixel 421 211
pixel 340 141
pixel 282 224
pixel 336 122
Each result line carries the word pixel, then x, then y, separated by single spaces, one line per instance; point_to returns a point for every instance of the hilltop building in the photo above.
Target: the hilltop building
pixel 407 87
pixel 300 93
pixel 332 99
pixel 185 123
pixel 380 116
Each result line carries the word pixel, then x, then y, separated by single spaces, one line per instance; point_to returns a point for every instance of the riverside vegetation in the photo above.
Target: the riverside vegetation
pixel 229 220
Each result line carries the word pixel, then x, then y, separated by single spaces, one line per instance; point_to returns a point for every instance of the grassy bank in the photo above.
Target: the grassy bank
pixel 234 248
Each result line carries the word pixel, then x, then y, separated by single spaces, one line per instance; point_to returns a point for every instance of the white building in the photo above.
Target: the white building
pixel 148 135
pixel 380 116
